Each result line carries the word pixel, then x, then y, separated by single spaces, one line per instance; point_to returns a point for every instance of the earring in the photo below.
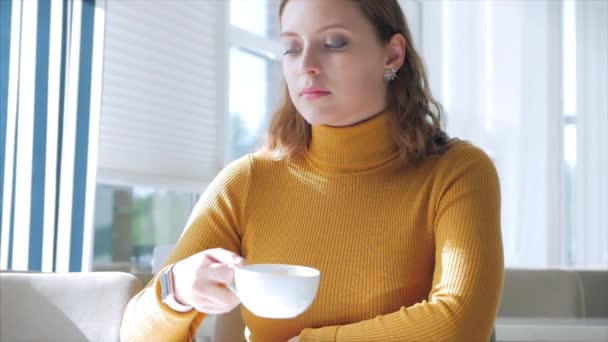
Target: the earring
pixel 390 74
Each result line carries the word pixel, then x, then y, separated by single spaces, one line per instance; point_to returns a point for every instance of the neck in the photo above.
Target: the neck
pixel 358 147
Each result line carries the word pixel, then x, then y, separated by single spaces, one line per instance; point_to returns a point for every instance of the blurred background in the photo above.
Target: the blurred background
pixel 116 114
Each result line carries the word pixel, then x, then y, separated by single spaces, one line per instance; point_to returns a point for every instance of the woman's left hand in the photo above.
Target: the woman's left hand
pixel 294 339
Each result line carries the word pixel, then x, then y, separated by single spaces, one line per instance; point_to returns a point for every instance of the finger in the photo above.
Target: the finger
pixel 209 308
pixel 205 296
pixel 220 273
pixel 213 310
pixel 223 256
pixel 206 304
pixel 217 294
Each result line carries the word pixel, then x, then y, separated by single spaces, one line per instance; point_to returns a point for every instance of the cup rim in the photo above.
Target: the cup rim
pixel 309 272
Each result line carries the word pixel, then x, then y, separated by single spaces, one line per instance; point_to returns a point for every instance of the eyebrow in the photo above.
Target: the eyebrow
pixel 324 28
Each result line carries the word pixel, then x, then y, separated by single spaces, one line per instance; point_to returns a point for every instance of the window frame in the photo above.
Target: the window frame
pixel 265 47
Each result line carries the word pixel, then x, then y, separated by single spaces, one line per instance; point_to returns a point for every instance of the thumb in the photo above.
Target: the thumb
pixel 222 256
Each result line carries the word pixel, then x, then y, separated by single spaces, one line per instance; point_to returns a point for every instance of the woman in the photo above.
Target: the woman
pixel 357 180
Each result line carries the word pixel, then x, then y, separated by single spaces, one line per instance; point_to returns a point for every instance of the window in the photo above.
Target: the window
pixel 133 213
pixel 130 221
pixel 248 94
pixel 253 92
pixel 569 133
pixel 161 126
pixel 252 16
pixel 254 72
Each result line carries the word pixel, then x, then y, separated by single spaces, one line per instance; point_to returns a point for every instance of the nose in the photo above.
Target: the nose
pixel 309 63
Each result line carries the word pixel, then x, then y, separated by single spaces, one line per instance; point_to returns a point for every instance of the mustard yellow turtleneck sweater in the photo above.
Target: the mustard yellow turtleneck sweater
pixel 406 253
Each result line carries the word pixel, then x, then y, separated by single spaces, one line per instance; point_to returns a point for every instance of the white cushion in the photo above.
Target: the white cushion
pixel 542 293
pixel 595 285
pixel 64 306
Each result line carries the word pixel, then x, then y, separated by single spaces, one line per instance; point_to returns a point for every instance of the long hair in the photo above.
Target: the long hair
pixel 416 117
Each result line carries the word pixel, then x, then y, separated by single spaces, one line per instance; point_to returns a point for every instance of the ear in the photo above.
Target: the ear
pixel 395 51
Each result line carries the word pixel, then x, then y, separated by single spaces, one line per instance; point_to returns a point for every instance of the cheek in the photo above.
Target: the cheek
pixel 290 78
pixel 358 77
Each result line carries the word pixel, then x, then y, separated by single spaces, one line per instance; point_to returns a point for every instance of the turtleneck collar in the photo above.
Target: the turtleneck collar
pixel 362 146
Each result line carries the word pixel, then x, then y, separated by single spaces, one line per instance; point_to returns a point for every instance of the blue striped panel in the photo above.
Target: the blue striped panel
pixel 40 123
pixel 5 45
pixel 12 213
pixel 11 224
pixel 67 4
pixel 82 134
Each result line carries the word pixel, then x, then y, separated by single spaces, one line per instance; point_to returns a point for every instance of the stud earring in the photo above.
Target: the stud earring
pixel 390 74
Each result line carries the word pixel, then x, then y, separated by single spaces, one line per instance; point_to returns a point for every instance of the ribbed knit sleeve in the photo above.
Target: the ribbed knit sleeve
pixel 468 275
pixel 215 222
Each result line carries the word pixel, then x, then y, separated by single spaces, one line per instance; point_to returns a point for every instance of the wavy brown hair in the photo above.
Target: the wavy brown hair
pixel 416 116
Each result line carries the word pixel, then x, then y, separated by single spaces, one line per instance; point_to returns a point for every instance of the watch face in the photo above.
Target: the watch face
pixel 165 289
pixel 167 294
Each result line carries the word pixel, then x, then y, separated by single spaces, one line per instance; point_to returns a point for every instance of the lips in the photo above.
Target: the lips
pixel 313 92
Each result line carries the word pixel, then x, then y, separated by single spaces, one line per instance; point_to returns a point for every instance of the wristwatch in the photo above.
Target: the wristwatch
pixel 167 293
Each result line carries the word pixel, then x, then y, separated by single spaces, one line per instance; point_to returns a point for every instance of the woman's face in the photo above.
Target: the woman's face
pixel 333 63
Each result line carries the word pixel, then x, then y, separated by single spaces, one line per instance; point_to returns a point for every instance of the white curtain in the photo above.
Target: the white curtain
pixel 591 213
pixel 497 68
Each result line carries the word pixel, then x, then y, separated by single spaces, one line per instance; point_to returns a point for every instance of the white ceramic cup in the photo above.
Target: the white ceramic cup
pixel 275 290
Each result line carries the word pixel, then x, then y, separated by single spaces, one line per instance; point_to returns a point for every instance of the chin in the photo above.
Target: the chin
pixel 316 120
pixel 325 117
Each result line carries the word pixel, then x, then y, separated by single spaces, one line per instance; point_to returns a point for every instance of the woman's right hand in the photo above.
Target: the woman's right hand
pixel 200 280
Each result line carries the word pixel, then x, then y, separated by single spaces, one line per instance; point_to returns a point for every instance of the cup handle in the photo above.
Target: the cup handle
pixel 232 285
pixel 232 288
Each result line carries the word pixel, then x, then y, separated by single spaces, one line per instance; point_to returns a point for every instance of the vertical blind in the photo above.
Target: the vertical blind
pixel 49 104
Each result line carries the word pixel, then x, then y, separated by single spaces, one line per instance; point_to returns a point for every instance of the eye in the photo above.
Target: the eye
pixel 291 51
pixel 336 44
